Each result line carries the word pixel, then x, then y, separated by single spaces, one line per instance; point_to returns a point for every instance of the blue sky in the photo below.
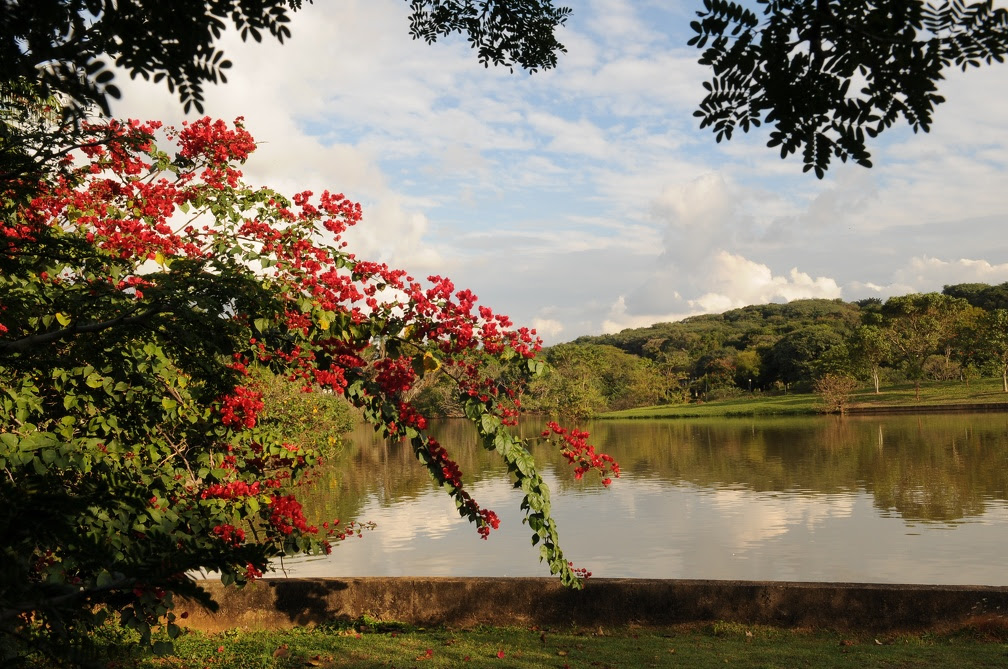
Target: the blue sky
pixel 586 199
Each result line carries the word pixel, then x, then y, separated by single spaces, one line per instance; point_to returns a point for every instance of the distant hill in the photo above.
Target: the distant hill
pixel 738 328
pixel 770 348
pixel 956 335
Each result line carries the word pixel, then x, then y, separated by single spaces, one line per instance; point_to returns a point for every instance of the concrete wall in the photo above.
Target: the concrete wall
pixel 465 602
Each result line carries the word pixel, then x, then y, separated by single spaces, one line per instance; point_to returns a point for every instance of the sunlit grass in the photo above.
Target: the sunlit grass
pixel 697 645
pixel 951 393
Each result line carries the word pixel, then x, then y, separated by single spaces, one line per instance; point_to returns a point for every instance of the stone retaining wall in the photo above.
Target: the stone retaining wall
pixel 989 407
pixel 465 602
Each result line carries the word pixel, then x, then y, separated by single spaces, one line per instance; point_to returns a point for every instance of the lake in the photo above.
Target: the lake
pixel 890 499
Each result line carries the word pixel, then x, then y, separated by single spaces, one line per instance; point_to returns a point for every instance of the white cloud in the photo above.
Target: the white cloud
pixel 547 328
pixel 750 519
pixel 964 270
pixel 729 281
pixel 736 282
pixel 586 196
pixel 571 137
pixel 923 274
pixel 619 319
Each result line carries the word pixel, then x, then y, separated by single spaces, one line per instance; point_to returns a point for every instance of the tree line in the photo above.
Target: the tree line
pixel 960 333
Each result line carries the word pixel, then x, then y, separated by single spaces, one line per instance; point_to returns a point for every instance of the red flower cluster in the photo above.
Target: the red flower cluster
pixel 286 515
pixel 489 521
pixel 395 376
pixel 580 453
pixel 229 534
pixel 449 468
pixel 215 141
pixel 232 490
pixel 251 574
pixel 241 407
pixel 408 415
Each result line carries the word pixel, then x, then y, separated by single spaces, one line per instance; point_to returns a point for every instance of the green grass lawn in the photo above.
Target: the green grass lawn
pixel 696 646
pixel 947 393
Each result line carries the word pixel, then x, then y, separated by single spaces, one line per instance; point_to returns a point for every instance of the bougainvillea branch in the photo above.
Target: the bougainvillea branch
pixel 138 284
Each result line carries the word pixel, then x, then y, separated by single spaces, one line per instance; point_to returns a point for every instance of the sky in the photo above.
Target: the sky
pixel 585 199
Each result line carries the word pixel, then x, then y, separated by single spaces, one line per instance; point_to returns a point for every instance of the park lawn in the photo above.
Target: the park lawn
pixel 697 646
pixel 932 394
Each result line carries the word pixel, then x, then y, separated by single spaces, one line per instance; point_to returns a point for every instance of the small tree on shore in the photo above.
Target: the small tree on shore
pixel 870 348
pixel 835 391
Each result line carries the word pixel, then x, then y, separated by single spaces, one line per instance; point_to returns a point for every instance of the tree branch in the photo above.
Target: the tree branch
pixel 23 344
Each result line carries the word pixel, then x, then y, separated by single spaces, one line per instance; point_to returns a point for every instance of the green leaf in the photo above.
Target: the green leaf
pixel 474 409
pixel 503 443
pixel 162 648
pixel 525 463
pixel 489 423
pixel 104 579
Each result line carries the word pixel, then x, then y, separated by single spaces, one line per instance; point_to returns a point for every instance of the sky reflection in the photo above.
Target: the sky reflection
pixel 703 505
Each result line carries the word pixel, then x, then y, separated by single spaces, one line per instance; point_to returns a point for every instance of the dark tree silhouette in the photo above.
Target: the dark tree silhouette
pixel 829 73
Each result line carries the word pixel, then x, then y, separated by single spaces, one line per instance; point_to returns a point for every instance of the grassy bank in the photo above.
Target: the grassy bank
pixel 696 646
pixel 935 394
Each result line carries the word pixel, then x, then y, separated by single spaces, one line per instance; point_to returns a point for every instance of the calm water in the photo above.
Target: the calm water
pixel 898 499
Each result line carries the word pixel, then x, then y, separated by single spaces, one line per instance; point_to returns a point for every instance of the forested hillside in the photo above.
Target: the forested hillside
pixel 960 333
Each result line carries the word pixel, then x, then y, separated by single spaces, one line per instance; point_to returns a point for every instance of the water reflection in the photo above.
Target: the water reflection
pixel 879 499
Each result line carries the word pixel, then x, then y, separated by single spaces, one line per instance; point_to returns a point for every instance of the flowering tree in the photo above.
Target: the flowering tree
pixel 138 286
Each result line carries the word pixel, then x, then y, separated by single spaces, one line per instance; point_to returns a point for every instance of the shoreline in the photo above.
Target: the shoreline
pixel 280 603
pixel 984 396
pixel 976 407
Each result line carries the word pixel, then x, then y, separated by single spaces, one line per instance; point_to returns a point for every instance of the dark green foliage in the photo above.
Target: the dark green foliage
pixel 756 326
pixel 799 356
pixel 993 330
pixel 980 295
pixel 826 74
pixel 69 46
pixel 919 326
pixel 503 32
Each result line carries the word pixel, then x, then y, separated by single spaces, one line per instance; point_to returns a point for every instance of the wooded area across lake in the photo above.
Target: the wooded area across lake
pixel 958 335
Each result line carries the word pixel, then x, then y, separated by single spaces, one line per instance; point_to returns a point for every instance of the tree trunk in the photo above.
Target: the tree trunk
pixel 875 378
pixel 917 389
